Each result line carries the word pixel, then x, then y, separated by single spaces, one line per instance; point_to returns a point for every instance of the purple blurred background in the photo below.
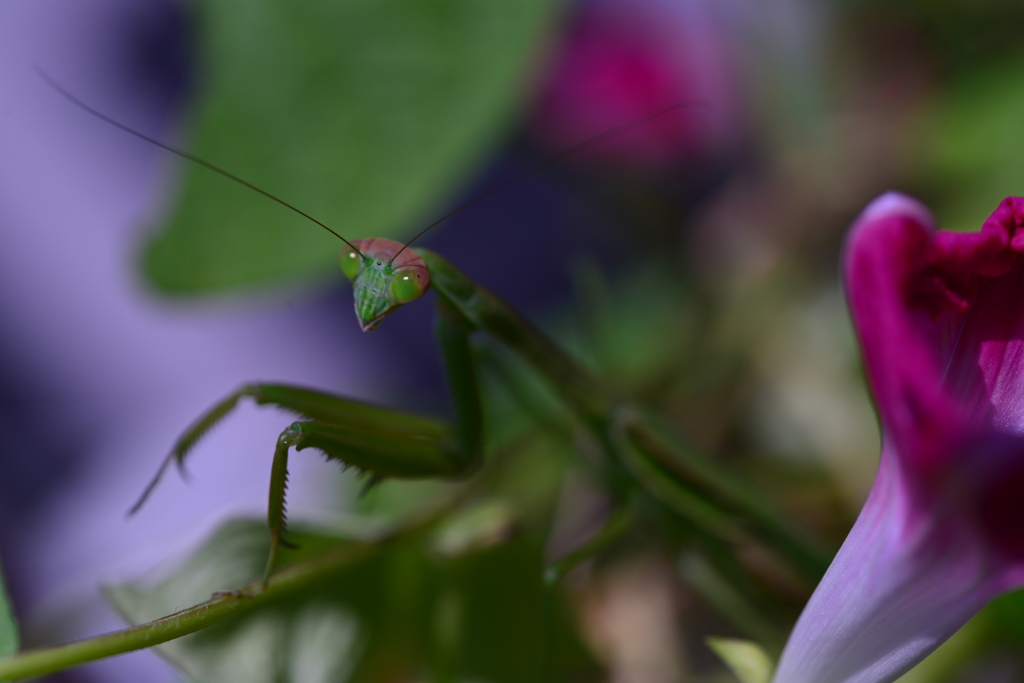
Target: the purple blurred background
pixel 97 376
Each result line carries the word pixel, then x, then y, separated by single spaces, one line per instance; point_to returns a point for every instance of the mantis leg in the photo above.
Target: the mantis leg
pixel 381 442
pixel 702 491
pixel 360 418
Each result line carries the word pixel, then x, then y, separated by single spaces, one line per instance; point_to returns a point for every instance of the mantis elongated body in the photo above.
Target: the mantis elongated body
pixel 638 454
pixel 387 443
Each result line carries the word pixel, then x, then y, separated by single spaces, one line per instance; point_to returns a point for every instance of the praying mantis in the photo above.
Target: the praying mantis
pixel 638 454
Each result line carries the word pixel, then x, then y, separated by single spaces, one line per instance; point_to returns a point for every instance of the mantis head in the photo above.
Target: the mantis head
pixel 380 281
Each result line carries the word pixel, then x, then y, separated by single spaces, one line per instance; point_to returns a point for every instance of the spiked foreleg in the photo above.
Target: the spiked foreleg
pixel 276 518
pixel 384 443
pixel 382 455
pixel 378 441
pixel 310 404
pixel 192 435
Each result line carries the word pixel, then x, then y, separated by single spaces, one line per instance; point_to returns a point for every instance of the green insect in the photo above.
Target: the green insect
pixel 638 455
pixel 390 444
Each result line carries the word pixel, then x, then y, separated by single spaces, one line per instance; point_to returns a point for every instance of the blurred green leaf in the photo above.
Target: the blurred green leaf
pixel 976 145
pixel 1005 615
pixel 475 528
pixel 276 643
pixel 402 614
pixel 8 626
pixel 745 658
pixel 362 113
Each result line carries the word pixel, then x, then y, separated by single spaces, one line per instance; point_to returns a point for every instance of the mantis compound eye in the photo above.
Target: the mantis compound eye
pixel 350 263
pixel 407 284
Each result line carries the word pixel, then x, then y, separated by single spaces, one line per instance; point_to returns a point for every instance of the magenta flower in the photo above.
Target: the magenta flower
pixel 624 59
pixel 940 318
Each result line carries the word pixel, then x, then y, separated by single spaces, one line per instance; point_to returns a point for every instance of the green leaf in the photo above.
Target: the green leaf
pixel 746 659
pixel 400 614
pixel 363 113
pixel 975 146
pixel 285 641
pixel 8 626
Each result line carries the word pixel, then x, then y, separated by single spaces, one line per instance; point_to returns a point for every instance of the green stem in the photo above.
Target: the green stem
pixel 728 494
pixel 215 610
pixel 619 523
pixel 710 583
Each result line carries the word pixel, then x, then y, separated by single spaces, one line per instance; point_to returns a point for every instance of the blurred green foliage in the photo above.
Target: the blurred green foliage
pixel 975 155
pixel 8 625
pixel 404 613
pixel 962 35
pixel 364 114
pixel 745 658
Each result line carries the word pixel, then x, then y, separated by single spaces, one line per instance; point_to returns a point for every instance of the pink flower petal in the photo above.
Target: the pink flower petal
pixel 940 317
pixel 900 586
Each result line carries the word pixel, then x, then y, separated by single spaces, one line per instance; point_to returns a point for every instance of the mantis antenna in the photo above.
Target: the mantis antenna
pixel 558 158
pixel 174 150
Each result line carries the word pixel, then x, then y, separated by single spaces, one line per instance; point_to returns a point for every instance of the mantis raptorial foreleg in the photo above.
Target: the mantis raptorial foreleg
pixel 382 442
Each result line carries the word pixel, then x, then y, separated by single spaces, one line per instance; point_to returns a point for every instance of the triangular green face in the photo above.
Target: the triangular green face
pixel 371 290
pixel 385 275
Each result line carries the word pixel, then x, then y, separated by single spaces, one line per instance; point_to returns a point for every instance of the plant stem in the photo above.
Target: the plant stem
pixel 215 610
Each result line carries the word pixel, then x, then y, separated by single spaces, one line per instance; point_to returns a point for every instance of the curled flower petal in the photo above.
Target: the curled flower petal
pixel 940 318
